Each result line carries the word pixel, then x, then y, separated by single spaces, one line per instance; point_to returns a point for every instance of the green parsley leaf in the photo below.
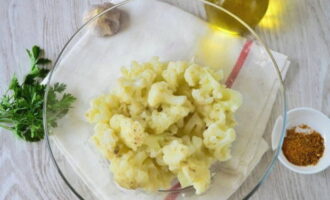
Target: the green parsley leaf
pixel 21 107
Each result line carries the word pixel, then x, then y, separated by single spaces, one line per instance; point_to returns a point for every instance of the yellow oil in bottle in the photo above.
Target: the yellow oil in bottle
pixel 250 11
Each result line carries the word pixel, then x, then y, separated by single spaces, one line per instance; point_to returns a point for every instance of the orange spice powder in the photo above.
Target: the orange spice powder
pixel 303 146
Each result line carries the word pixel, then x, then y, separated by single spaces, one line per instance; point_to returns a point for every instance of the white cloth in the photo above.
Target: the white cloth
pixel 151 28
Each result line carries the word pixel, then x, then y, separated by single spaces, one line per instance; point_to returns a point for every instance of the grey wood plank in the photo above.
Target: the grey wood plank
pixel 26 171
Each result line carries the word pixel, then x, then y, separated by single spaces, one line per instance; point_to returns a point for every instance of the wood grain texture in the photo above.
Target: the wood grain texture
pixel 301 32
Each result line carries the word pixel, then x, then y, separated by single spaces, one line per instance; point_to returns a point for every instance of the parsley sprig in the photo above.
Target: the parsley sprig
pixel 21 106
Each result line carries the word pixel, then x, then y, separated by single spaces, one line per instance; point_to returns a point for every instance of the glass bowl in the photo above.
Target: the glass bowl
pixel 172 30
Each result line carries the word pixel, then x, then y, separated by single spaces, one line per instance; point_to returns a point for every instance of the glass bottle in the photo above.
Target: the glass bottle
pixel 250 11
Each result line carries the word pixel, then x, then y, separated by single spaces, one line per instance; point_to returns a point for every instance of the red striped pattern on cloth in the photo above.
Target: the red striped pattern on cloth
pixel 229 83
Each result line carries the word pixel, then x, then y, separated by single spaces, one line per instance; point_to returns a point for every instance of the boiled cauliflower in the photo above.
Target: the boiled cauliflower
pixel 164 121
pixel 195 172
pixel 174 153
pixel 105 139
pixel 136 170
pixel 131 132
pixel 102 108
pixel 219 138
pixel 173 74
pixel 160 93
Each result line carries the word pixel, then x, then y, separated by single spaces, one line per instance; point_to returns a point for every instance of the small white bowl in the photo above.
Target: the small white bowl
pixel 317 121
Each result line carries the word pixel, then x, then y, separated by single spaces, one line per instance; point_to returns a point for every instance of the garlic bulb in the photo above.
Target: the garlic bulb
pixel 106 25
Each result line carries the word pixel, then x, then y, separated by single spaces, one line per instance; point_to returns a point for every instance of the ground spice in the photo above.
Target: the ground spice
pixel 303 146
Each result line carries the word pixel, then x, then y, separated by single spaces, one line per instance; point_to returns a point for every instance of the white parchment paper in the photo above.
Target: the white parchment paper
pixel 152 28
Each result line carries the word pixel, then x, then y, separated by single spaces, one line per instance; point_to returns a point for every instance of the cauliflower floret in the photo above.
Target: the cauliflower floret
pixel 209 90
pixel 160 93
pixel 195 172
pixel 216 74
pixel 138 69
pixel 130 131
pixel 101 109
pixel 105 139
pixel 231 100
pixel 223 154
pixel 136 170
pixel 145 74
pixel 130 91
pixel 222 110
pixel 173 75
pixel 162 120
pixel 219 140
pixel 128 172
pixel 124 91
pixel 207 93
pixel 154 144
pixel 193 75
pixel 212 113
pixel 135 109
pixel 217 115
pixel 230 119
pixel 201 96
pixel 174 153
pixel 158 67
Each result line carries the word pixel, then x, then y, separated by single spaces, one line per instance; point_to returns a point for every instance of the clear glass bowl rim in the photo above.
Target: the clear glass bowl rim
pixel 204 2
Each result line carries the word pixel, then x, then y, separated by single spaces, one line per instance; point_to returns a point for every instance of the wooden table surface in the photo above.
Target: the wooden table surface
pixel 297 28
